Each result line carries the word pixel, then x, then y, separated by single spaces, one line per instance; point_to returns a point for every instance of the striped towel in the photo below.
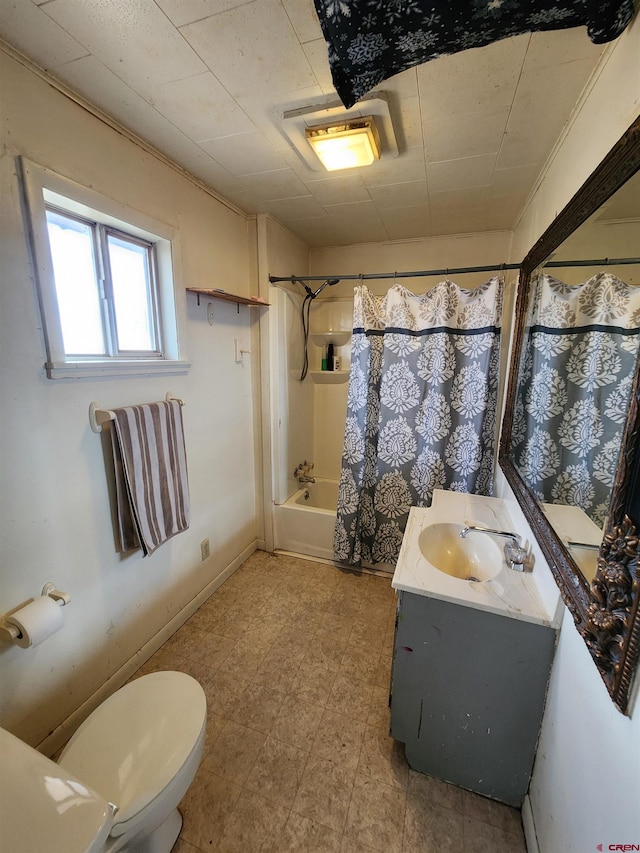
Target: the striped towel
pixel 152 490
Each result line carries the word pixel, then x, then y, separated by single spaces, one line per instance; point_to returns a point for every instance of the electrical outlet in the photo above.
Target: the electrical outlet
pixel 204 549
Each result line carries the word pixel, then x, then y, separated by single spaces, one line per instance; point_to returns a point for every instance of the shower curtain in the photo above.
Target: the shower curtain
pixel 575 384
pixel 421 409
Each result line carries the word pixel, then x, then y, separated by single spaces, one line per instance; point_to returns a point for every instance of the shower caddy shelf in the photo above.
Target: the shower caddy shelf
pixel 328 377
pixel 338 338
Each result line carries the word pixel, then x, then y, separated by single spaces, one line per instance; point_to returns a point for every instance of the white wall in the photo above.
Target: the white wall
pixel 56 514
pixel 586 782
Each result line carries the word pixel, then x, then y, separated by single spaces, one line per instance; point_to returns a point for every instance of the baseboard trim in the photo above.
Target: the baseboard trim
pixel 364 569
pixel 529 826
pixel 61 734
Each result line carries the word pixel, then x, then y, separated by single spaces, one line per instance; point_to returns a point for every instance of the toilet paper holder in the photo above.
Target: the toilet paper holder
pixel 10 633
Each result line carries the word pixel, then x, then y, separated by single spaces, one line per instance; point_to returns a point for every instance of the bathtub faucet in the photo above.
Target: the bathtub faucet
pixel 302 472
pixel 514 553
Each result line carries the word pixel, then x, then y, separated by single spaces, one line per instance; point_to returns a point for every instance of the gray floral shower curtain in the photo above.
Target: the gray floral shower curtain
pixel 421 409
pixel 576 381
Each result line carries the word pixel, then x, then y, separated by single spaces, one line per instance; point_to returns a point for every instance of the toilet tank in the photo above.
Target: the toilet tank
pixel 45 808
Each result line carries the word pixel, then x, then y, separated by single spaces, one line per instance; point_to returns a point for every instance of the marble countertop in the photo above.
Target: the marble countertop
pixel 509 593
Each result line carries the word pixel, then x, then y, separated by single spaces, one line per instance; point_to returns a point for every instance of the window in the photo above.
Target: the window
pixel 105 284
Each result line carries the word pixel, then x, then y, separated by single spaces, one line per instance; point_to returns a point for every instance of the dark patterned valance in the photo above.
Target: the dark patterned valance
pixel 370 40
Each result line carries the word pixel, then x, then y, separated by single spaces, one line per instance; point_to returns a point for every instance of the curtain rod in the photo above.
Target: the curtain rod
pixel 597 262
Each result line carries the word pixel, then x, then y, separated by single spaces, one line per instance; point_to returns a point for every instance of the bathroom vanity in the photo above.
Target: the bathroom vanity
pixel 471 657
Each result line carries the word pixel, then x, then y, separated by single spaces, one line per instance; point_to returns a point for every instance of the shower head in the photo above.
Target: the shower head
pixel 306 307
pixel 328 283
pixel 311 294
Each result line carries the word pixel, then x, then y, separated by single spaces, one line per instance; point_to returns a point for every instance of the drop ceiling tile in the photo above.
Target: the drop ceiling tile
pixel 360 220
pixel 566 81
pixel 266 113
pixel 409 194
pixel 143 47
pixel 302 15
pixel 214 175
pixel 245 200
pixel 295 162
pixel 33 32
pixel 286 209
pixel 458 199
pixel 503 212
pixel 342 190
pixel 488 215
pixel 346 210
pixel 482 80
pixel 281 183
pixel 407 122
pixel 90 78
pixel 360 232
pixel 409 165
pixel 316 53
pixel 321 231
pixel 182 12
pixel 459 174
pixel 408 222
pixel 459 136
pixel 536 120
pixel 528 145
pixel 244 154
pixel 200 107
pixel 402 85
pixel 252 50
pixel 547 49
pixel 518 180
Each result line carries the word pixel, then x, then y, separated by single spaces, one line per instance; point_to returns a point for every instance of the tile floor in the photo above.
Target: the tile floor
pixel 295 660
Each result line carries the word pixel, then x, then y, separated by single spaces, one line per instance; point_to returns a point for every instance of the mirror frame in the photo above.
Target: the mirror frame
pixel 607 611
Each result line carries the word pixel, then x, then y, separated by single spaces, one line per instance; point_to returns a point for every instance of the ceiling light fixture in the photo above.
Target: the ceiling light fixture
pixel 345 145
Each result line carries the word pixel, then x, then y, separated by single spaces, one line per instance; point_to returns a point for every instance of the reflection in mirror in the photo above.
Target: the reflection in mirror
pixel 576 372
pixel 570 444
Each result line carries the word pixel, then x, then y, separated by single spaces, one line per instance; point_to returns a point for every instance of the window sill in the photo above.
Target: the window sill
pixel 137 367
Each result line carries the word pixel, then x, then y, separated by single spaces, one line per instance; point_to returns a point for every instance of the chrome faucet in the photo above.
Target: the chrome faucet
pixel 587 545
pixel 302 472
pixel 514 553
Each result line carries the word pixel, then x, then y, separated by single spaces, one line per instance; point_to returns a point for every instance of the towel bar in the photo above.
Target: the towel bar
pixel 99 416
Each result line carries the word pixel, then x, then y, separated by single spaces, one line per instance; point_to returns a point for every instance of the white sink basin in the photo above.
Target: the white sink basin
pixel 475 558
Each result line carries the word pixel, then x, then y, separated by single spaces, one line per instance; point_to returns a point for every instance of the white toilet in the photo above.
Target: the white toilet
pixel 137 752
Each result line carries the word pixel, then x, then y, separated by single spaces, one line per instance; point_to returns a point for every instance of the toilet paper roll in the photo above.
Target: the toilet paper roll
pixel 37 621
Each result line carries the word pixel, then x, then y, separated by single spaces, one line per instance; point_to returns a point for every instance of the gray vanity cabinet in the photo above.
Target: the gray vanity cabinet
pixel 467 694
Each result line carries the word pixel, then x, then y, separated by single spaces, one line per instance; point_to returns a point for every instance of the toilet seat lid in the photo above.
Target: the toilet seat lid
pixel 134 744
pixel 43 807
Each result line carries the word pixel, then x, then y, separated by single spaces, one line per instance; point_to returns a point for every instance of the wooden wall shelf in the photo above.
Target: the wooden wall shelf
pixel 227 297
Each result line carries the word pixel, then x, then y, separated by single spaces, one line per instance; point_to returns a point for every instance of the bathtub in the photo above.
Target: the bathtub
pixel 305 523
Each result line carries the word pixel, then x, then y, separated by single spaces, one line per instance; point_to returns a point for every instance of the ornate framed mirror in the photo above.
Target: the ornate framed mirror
pixel 604 602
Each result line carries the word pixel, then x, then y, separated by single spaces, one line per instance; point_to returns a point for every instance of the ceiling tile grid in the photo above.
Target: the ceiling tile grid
pixel 207 82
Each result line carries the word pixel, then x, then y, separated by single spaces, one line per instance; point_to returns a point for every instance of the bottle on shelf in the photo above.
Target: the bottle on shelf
pixel 330 356
pixel 324 360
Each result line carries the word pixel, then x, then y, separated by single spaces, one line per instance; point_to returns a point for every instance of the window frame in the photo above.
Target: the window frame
pixel 44 188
